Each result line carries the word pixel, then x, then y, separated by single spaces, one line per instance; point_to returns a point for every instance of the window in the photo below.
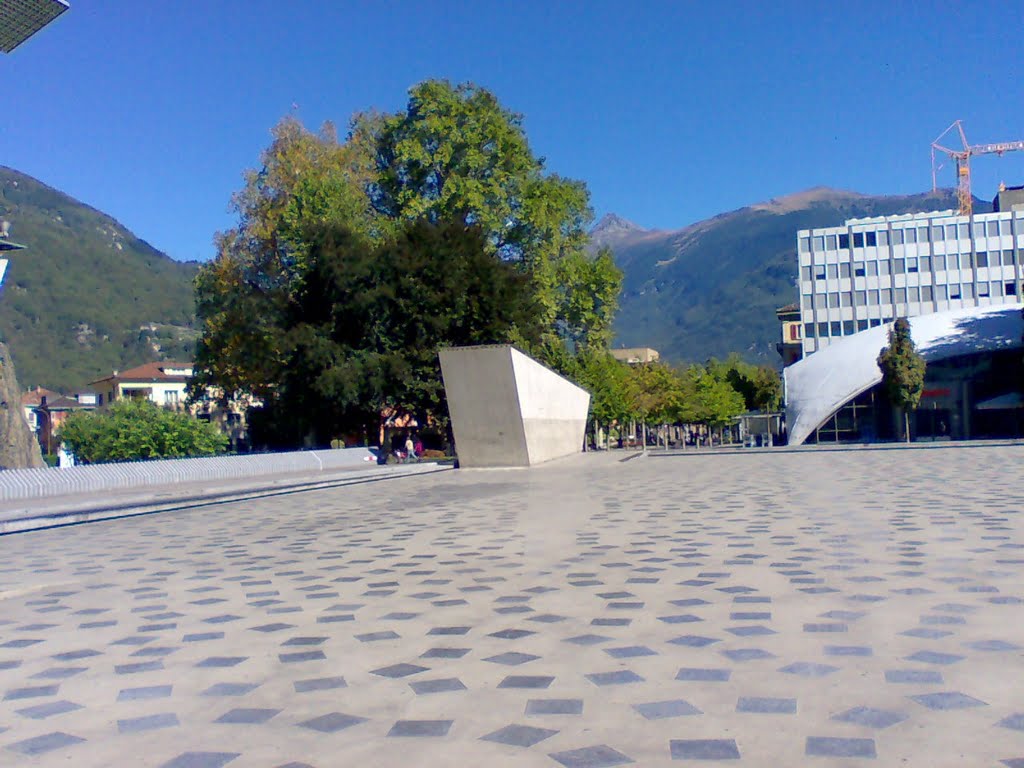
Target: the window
pixel 897 237
pixel 950 232
pixel 794 332
pixel 822 330
pixel 862 325
pixel 861 297
pixel 962 231
pixel 873 298
pixel 818 243
pixel 847 297
pixel 830 242
pixel 913 294
pixel 844 269
pixel 848 328
pixel 939 263
pixel 997 289
pixel 100 399
pixel 937 233
pixel 858 271
pixel 993 229
pixel 805 245
pixel 966 260
pixel 911 265
pixel 805 274
pixel 809 330
pixel 983 290
pixel 883 237
pixel 982 259
pixel 926 293
pixel 901 295
pixel 858 239
pixel 844 242
pixel 952 261
pixel 870 239
pixel 911 235
pixel 170 398
pixel 899 266
pixel 979 229
pixel 968 290
pixel 886 296
pixel 942 292
pixel 872 268
pixel 922 234
pixel 875 322
pixel 954 292
pixel 833 271
pixel 925 263
pixel 1011 288
pixel 883 267
pixel 833 300
pixel 819 272
pixel 836 328
pixel 1007 257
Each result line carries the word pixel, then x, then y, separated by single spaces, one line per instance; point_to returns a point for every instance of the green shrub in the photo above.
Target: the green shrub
pixel 138 429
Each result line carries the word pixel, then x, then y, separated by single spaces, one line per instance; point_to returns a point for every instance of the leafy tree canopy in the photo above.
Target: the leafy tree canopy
pixel 759 385
pixel 903 370
pixel 138 429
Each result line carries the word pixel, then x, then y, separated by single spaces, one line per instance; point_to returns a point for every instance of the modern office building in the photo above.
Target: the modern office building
pixel 870 271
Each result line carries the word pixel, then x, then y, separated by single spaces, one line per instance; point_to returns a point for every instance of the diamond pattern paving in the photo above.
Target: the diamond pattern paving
pixel 778 608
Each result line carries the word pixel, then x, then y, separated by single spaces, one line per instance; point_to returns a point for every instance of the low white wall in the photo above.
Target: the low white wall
pixel 508 410
pixel 18 484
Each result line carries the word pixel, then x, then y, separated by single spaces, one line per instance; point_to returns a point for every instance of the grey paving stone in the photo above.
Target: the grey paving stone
pixel 230 689
pixel 948 700
pixel 992 646
pixel 31 692
pixel 587 639
pixel 519 735
pixel 933 657
pixel 618 677
pixel 40 745
pixel 554 707
pixel 600 756
pixel 704 749
pixel 766 705
pixel 830 746
pixel 399 670
pixel 658 710
pixel 512 634
pixel 445 653
pixel 629 652
pixel 301 656
pixel 449 631
pixel 848 650
pixel 1015 722
pixel 332 722
pixel 808 669
pixel 427 728
pixel 917 676
pixel 145 693
pixel 512 658
pixel 201 760
pixel 693 641
pixel 218 662
pixel 870 717
pixel 372 637
pixel 747 654
pixel 148 723
pixel 437 686
pixel 526 681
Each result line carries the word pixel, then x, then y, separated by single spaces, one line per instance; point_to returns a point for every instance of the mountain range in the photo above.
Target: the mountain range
pixel 712 288
pixel 86 296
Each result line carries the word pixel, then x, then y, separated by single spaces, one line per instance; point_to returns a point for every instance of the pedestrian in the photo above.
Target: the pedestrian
pixel 410 449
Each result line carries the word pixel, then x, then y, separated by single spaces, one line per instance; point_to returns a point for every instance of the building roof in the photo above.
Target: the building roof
pixel 34 397
pixel 20 19
pixel 821 383
pixel 635 354
pixel 151 373
pixel 61 403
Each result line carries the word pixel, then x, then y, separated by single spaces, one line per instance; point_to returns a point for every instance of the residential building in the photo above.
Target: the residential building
pixel 636 355
pixel 791 348
pixel 870 271
pixel 45 410
pixel 165 383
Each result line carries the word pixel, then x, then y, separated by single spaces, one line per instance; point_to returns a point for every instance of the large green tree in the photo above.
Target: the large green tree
pixel 903 371
pixel 453 155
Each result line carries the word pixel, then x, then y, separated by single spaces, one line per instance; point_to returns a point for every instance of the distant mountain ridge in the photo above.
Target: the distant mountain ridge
pixel 712 287
pixel 86 296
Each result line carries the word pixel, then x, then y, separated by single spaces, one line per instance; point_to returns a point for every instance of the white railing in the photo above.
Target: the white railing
pixel 20 484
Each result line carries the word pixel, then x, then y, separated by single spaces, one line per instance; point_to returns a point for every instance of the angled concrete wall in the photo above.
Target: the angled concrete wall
pixel 508 410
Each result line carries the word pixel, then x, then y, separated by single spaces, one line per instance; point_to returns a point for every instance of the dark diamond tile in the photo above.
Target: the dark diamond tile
pixel 629 652
pixel 748 654
pixel 246 716
pixel 682 618
pixel 332 723
pixel 434 728
pixel 145 693
pixel 703 675
pixel 519 735
pixel 399 670
pixel 445 653
pixel 948 700
pixel 657 710
pixel 704 749
pixel 827 746
pixel 512 658
pixel 587 640
pixel 220 662
pixel 599 756
pixel 148 723
pixel 554 707
pixel 230 689
pixel 512 634
pixel 848 650
pixel 31 692
pixel 693 641
pixel 933 657
pixel 437 686
pixel 927 676
pixel 201 760
pixel 619 677
pixel 40 745
pixel 870 717
pixel 449 631
pixel 320 684
pixel 526 681
pixel 1016 722
pixel 372 637
pixel 301 656
pixel 766 705
pixel 43 711
pixel 992 645
pixel 808 669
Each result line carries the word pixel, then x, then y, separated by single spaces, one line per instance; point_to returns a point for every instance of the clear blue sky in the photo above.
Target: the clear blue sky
pixel 671 112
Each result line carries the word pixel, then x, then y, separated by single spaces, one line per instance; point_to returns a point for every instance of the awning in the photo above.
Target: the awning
pixel 1005 402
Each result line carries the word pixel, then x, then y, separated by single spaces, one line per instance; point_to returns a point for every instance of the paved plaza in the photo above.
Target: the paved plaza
pixel 826 608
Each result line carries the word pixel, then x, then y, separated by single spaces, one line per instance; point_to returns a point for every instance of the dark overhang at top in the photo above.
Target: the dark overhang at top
pixel 20 19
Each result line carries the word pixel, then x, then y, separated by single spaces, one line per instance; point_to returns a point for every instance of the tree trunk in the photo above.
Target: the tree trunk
pixel 643 436
pixel 906 423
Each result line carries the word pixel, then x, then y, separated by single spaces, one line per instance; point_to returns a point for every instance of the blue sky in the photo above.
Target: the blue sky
pixel 671 112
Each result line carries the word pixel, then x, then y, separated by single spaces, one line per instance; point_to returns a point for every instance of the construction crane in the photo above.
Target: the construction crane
pixel 963 162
